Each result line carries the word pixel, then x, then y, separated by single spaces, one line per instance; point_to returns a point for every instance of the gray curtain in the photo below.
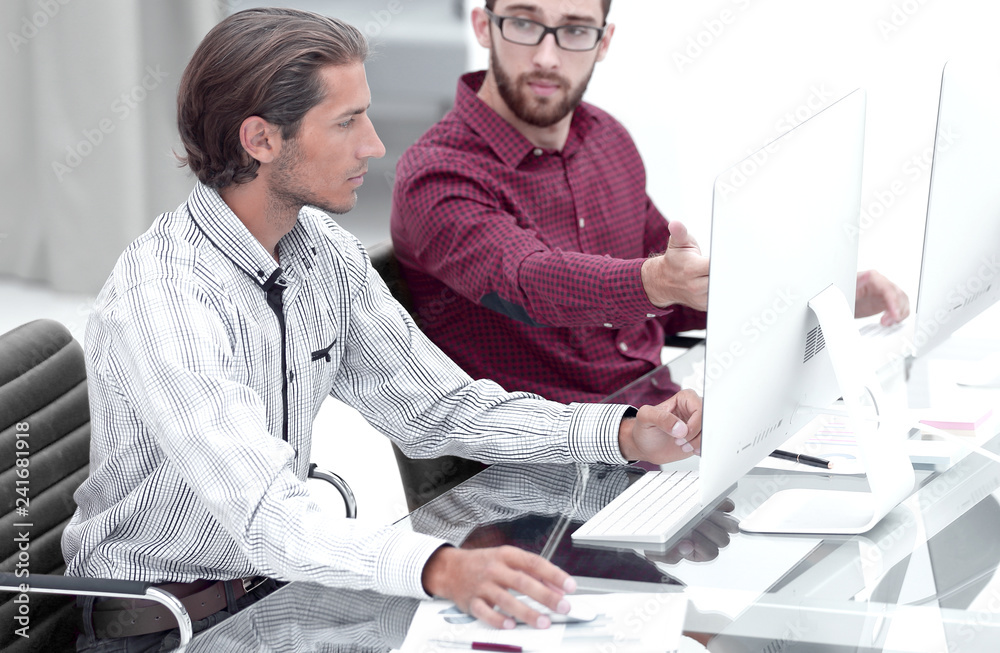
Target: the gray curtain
pixel 88 110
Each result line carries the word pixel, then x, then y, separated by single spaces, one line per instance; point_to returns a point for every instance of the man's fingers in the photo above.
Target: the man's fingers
pixel 480 609
pixel 725 521
pixel 714 533
pixel 705 549
pixel 687 405
pixel 509 604
pixel 540 571
pixel 679 236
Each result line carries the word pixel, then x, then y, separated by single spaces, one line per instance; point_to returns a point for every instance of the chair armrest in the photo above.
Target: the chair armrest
pixel 102 587
pixel 336 481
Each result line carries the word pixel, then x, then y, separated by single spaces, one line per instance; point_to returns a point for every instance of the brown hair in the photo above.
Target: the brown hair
pixel 605 4
pixel 258 62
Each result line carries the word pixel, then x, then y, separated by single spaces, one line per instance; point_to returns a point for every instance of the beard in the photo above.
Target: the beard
pixel 286 192
pixel 539 112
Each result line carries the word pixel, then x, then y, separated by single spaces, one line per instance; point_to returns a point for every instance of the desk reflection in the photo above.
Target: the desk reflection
pixel 537 508
pixel 304 617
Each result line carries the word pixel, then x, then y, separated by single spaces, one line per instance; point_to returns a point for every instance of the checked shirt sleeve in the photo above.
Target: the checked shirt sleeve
pixel 459 233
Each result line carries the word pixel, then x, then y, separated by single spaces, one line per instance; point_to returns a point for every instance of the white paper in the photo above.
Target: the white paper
pixel 625 623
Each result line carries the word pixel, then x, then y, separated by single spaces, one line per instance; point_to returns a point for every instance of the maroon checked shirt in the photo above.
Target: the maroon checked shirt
pixel 524 263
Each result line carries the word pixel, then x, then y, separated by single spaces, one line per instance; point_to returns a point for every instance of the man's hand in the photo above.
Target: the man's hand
pixel 705 540
pixel 664 433
pixel 679 275
pixel 479 582
pixel 876 294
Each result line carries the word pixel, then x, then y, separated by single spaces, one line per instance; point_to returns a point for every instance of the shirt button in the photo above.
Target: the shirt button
pixel 622 346
pixel 609 325
pixel 650 315
pixel 538 151
pixel 582 223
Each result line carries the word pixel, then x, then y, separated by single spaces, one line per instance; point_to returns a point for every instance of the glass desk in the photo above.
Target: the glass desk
pixel 924 579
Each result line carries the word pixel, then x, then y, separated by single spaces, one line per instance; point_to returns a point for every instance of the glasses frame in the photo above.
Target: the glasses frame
pixel 546 30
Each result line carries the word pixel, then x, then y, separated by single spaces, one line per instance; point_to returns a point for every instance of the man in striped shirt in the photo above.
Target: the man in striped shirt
pixel 224 327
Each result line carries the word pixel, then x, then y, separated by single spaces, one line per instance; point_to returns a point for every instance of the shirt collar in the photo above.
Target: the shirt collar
pixel 503 138
pixel 231 237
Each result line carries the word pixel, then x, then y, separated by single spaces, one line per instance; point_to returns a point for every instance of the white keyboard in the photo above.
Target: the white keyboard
pixel 884 346
pixel 875 330
pixel 651 511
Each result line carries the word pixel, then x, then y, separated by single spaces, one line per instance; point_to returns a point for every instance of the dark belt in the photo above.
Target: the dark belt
pixel 131 617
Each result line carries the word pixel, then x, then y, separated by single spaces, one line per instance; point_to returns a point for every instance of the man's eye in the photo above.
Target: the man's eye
pixel 347 124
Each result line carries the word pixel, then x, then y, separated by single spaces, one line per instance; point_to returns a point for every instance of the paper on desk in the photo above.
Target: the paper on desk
pixel 626 623
pixel 830 437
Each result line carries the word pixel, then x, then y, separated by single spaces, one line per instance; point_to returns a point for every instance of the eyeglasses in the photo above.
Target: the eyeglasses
pixel 576 38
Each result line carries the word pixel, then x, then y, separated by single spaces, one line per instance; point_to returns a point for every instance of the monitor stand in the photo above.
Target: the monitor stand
pixel 879 437
pixel 984 373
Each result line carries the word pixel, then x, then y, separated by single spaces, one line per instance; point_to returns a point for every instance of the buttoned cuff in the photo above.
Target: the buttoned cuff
pixel 625 298
pixel 593 433
pixel 401 563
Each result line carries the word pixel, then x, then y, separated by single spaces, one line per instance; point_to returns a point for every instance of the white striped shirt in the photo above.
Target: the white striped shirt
pixel 202 411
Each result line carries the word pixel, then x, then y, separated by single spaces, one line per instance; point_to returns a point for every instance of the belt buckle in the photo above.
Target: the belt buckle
pixel 250 583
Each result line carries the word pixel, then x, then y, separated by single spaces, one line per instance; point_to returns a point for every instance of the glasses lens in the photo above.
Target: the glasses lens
pixel 523 31
pixel 574 37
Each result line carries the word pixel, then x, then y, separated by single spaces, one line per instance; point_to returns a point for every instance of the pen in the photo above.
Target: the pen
pixel 802 459
pixel 481 646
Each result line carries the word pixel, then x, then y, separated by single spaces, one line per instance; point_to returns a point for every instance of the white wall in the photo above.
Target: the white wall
pixel 702 84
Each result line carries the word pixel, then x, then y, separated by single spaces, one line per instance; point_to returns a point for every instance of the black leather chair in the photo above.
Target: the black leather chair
pixel 45 421
pixel 423 479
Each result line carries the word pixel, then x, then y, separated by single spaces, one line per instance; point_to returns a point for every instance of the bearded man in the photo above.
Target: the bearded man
pixel 522 224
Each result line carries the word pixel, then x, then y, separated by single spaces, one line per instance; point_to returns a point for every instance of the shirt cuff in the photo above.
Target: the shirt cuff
pixel 625 298
pixel 593 433
pixel 401 563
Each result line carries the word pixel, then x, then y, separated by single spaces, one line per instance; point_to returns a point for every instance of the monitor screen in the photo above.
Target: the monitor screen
pixel 960 268
pixel 778 241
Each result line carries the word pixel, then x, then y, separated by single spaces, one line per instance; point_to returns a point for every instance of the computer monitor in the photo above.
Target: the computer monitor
pixel 960 268
pixel 779 343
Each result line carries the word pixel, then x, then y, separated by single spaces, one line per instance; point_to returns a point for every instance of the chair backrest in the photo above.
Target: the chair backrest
pixel 383 258
pixel 44 457
pixel 422 479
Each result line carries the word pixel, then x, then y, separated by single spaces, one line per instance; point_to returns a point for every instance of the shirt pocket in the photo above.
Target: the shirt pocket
pixel 325 349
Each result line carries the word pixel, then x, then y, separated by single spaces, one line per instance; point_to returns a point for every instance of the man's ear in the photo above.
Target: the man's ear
pixel 481 26
pixel 602 47
pixel 260 139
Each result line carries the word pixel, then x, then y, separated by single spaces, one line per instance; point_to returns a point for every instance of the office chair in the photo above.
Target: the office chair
pixel 423 479
pixel 45 420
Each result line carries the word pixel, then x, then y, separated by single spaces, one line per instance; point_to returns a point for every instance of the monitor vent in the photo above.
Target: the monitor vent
pixel 814 343
pixel 763 434
pixel 972 298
